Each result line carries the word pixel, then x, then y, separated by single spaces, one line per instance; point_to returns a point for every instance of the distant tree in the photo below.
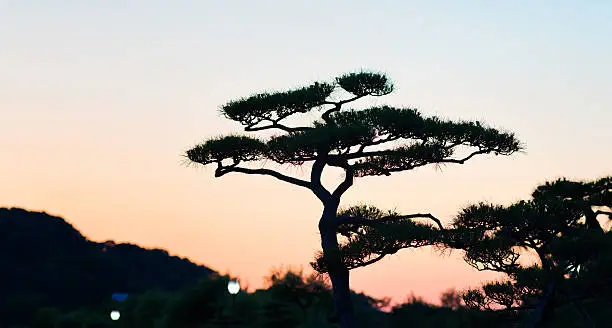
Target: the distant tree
pixel 279 314
pixel 297 288
pixel 451 299
pixel 74 319
pixel 149 308
pixel 415 312
pixel 46 318
pixel 375 141
pixel 560 225
pixel 198 305
pixel 373 303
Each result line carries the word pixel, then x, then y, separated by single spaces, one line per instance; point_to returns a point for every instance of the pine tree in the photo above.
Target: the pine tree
pixel 375 141
pixel 560 224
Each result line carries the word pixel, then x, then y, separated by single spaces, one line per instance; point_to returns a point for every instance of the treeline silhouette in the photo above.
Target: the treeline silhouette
pixel 53 277
pixel 46 262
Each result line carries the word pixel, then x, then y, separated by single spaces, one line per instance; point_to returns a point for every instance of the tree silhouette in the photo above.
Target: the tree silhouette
pixel 560 225
pixel 47 262
pixel 373 141
pixel 198 305
pixel 279 314
pixel 293 286
pixel 451 299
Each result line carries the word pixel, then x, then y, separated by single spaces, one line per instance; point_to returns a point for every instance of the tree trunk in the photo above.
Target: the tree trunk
pixel 585 315
pixel 338 273
pixel 539 315
pixel 591 219
pixel 536 317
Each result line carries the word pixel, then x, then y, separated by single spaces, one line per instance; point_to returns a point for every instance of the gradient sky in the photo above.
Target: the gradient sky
pixel 99 99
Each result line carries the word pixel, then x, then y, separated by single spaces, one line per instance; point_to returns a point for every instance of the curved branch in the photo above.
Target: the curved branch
pixel 375 164
pixel 337 106
pixel 352 264
pixel 221 170
pixel 346 184
pixel 377 142
pixel 367 222
pixel 328 113
pixel 276 125
pixel 368 262
pixel 358 155
pixel 349 174
pixel 465 159
pixel 315 181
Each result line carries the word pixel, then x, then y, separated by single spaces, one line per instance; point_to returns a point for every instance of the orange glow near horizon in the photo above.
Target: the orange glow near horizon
pixel 96 115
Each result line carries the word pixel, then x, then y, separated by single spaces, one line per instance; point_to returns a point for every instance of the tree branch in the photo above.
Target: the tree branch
pixel 221 170
pixel 315 181
pixel 346 184
pixel 392 151
pixel 337 106
pixel 368 262
pixel 609 214
pixel 465 159
pixel 377 142
pixel 367 222
pixel 276 125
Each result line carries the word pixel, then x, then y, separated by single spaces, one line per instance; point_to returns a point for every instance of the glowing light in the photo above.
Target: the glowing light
pixel 114 315
pixel 233 287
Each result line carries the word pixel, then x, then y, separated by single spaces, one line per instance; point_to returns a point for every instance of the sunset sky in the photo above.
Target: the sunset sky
pixel 99 100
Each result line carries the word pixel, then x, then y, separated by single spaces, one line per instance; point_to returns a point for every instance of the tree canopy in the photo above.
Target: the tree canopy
pixel 372 233
pixel 344 138
pixel 561 224
pixel 372 141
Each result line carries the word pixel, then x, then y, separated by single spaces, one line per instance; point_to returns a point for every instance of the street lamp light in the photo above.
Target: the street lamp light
pixel 233 287
pixel 117 297
pixel 115 315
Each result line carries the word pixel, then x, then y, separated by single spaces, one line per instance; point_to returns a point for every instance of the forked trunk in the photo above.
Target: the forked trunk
pixel 338 273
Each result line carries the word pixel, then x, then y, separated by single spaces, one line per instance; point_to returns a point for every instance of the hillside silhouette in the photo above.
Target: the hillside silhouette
pixel 47 262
